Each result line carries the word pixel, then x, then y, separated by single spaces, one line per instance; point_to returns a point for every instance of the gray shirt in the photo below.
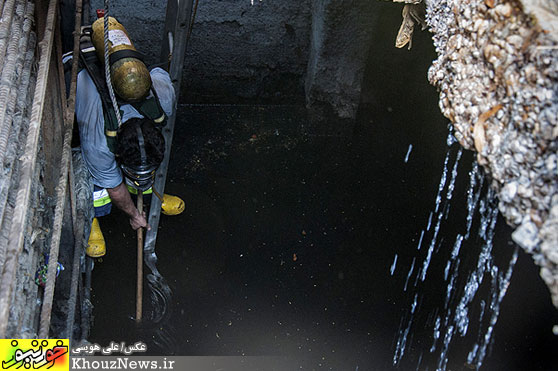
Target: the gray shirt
pixel 97 156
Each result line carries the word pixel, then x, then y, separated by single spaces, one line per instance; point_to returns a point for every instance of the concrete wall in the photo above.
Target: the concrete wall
pixel 237 51
pixel 341 38
pixel 275 51
pixel 248 52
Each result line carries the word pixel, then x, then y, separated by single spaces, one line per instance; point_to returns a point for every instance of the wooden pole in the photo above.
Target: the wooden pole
pixel 139 291
pixel 77 215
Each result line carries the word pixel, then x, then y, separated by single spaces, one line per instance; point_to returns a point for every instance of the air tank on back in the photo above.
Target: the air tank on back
pixel 129 75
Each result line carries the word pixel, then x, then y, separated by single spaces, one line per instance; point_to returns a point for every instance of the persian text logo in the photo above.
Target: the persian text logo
pixel 49 354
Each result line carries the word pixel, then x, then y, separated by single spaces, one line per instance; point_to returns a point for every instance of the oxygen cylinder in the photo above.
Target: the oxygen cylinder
pixel 129 75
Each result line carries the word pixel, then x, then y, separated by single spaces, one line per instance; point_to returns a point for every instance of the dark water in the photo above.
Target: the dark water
pixel 286 245
pixel 288 237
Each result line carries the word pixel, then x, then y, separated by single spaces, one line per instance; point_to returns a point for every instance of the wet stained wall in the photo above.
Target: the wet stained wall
pixel 237 51
pixel 288 237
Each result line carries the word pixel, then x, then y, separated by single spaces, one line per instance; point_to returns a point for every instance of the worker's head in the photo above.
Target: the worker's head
pixel 140 151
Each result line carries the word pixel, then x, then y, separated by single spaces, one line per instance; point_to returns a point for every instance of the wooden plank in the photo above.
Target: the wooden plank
pixel 61 192
pixel 77 215
pixel 65 120
pixel 48 137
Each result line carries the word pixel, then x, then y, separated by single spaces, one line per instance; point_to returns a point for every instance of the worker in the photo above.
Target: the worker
pixel 131 163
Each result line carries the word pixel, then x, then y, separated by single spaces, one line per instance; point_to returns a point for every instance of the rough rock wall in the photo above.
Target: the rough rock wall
pixel 497 73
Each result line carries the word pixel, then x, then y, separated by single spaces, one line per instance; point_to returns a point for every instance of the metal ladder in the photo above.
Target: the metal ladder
pixel 177 24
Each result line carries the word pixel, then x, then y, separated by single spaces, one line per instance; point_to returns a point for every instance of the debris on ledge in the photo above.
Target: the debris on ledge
pixel 413 13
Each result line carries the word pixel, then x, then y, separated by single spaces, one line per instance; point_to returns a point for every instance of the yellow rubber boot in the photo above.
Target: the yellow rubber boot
pixel 172 205
pixel 96 245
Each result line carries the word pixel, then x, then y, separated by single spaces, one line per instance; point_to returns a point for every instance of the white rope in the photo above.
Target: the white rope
pixel 107 66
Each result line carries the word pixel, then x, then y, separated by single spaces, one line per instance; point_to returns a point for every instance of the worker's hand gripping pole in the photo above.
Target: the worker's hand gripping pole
pixel 139 291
